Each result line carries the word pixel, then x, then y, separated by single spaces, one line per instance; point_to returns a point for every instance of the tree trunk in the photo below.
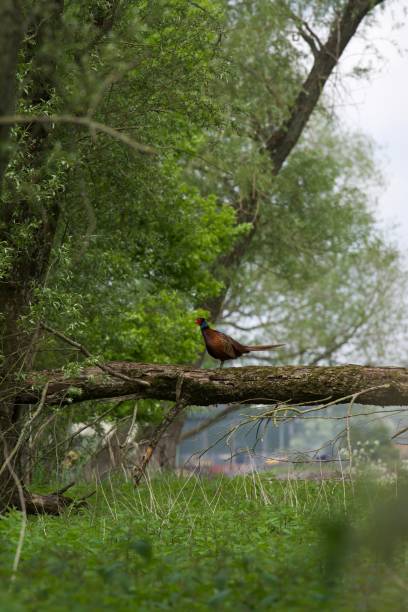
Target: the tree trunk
pixel 11 35
pixel 382 386
pixel 28 263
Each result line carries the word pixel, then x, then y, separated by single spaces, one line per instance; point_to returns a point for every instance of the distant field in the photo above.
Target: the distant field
pixel 248 543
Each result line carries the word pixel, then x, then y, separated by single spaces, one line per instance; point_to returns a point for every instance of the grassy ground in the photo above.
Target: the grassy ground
pixel 249 543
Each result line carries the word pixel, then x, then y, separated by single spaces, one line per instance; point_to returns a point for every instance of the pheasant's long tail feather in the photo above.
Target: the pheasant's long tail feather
pixel 264 347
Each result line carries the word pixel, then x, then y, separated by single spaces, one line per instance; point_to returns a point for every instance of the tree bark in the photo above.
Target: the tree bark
pixel 383 386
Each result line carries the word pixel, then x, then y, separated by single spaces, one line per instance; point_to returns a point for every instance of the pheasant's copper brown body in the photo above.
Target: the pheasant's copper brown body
pixel 223 347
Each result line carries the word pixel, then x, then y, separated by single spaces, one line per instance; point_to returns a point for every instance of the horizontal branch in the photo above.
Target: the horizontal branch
pixel 384 386
pixel 93 126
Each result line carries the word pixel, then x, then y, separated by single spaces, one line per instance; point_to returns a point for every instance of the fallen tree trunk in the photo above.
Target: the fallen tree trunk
pixel 53 503
pixel 384 386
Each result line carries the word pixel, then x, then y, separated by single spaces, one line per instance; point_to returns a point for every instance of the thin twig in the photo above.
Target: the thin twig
pixel 84 351
pixel 285 407
pixel 157 434
pixel 19 486
pixel 64 489
pixel 26 425
pixel 399 433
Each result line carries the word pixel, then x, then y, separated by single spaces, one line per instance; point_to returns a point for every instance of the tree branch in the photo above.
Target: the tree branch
pixel 251 385
pixel 84 351
pixel 281 142
pixel 140 470
pixel 306 32
pixel 216 418
pixel 93 126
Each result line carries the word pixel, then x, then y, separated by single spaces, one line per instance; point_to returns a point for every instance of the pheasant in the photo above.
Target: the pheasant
pixel 223 347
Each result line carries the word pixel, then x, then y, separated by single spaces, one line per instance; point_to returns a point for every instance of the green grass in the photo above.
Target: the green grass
pixel 248 543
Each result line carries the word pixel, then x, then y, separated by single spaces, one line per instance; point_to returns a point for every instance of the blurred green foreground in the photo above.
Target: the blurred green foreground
pixel 249 543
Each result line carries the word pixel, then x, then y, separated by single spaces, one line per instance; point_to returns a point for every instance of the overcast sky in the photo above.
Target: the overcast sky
pixel 379 107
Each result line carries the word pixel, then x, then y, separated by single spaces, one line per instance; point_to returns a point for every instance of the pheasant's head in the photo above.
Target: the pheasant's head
pixel 201 322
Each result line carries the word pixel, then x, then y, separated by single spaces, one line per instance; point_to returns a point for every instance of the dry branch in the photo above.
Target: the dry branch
pixel 84 351
pixel 140 470
pixel 215 418
pixel 252 384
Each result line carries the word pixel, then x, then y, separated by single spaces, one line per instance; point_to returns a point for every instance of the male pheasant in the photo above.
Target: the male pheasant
pixel 223 347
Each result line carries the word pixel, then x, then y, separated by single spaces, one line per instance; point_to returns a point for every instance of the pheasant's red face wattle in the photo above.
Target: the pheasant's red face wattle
pixel 199 321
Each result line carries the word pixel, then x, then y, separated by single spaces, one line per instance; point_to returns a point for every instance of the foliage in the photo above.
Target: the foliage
pixel 321 274
pixel 139 237
pixel 130 228
pixel 250 543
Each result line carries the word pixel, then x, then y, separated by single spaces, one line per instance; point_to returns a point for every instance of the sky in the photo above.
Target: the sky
pixel 379 107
